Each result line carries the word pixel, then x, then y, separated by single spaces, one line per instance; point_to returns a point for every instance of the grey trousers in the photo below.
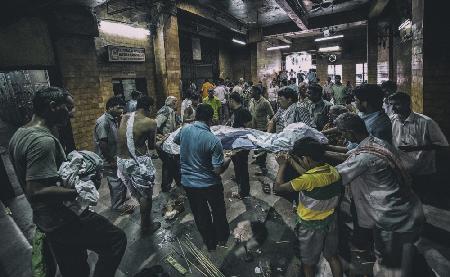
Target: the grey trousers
pixel 117 189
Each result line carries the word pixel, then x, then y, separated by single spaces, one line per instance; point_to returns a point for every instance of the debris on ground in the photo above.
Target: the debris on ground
pixel 171 260
pixel 172 208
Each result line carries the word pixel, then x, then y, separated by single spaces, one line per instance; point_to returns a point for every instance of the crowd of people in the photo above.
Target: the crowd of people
pixel 381 156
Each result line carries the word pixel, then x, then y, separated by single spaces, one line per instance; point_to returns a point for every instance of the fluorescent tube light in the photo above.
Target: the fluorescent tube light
pixel 405 24
pixel 278 47
pixel 124 30
pixel 329 38
pixel 329 49
pixel 239 41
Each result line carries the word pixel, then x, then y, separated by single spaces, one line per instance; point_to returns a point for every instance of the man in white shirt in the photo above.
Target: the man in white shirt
pixel 419 137
pixel 222 93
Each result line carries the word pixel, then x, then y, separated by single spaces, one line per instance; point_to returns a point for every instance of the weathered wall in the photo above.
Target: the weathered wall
pixel 26 43
pixel 268 63
pixel 241 63
pixel 402 64
pixel 225 62
pixel 128 70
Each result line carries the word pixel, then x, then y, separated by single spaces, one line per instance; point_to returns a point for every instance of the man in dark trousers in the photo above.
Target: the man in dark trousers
pixel 37 155
pixel 202 162
pixel 241 118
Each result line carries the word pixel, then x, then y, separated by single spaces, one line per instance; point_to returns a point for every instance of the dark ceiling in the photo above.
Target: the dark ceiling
pixel 252 12
pixel 264 13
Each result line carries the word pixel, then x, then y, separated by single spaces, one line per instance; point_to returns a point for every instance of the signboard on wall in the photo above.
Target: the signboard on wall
pixel 196 49
pixel 125 54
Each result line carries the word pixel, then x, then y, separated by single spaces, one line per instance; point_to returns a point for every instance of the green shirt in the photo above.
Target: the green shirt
pixel 215 104
pixel 339 93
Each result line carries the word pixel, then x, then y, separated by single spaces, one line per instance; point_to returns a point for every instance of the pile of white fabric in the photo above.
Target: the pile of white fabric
pixel 243 138
pixel 77 173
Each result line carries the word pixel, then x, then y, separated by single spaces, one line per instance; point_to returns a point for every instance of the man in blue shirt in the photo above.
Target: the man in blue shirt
pixel 202 162
pixel 369 101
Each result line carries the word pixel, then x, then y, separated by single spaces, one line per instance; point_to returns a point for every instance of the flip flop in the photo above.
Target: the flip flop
pixel 266 188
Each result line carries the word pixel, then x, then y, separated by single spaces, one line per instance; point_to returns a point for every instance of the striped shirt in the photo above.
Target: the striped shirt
pixel 319 191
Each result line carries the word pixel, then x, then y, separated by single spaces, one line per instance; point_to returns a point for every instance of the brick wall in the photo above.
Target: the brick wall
pixel 167 60
pixel 77 61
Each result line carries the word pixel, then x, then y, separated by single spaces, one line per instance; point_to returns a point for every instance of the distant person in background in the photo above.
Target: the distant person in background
pixel 215 104
pixel 239 86
pixel 206 87
pixel 348 89
pixel 301 83
pixel 189 111
pixel 319 108
pixel 131 104
pixel 273 94
pixel 261 112
pixel 222 94
pixel 338 91
pixel 388 87
pixel 328 90
pixel 293 85
pixel 311 76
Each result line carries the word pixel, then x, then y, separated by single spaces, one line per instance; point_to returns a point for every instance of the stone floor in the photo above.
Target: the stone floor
pixel 272 247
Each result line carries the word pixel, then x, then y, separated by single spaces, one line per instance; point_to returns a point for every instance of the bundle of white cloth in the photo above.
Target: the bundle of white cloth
pixel 245 138
pixel 77 173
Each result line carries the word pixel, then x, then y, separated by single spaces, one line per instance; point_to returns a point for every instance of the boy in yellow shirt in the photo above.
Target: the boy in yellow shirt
pixel 319 190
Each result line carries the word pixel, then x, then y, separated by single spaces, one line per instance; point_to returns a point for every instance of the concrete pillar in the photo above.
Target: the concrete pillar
pixel 372 51
pixel 225 66
pixel 254 63
pixel 322 69
pixel 348 73
pixel 430 62
pixel 167 58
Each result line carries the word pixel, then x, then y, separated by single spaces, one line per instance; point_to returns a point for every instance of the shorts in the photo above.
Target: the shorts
pixel 138 176
pixel 313 242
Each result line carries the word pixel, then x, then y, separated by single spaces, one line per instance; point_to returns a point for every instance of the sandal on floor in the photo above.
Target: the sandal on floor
pixel 126 209
pixel 266 188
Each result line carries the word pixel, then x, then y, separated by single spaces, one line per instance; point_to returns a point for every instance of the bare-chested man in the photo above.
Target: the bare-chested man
pixel 136 136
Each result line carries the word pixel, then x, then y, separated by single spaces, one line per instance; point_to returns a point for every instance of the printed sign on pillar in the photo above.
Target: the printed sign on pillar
pixel 196 49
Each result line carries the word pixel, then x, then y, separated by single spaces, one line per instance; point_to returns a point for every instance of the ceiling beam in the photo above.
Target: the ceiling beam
pixel 338 8
pixel 294 14
pixel 214 15
pixel 318 31
pixel 377 8
pixel 285 40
